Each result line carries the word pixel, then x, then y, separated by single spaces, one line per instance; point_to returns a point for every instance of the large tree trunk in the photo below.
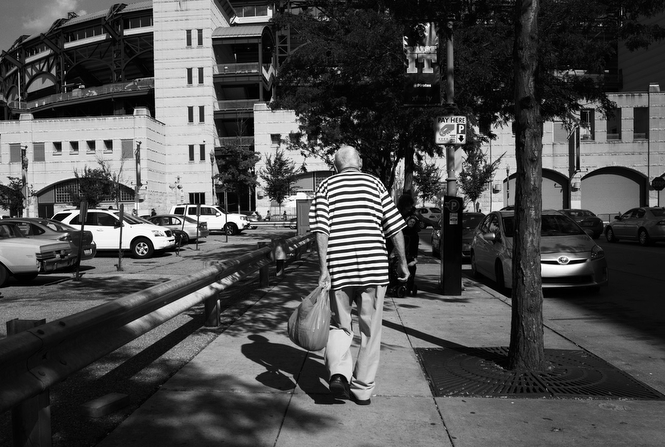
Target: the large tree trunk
pixel 526 336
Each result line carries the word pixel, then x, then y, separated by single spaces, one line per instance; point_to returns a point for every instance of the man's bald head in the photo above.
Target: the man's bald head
pixel 347 157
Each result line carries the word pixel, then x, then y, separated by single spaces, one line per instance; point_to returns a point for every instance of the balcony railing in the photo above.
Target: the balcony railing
pixel 234 141
pixel 236 104
pixel 249 67
pixel 108 89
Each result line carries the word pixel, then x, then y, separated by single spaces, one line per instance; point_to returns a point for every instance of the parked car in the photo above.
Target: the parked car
pixel 54 230
pixel 429 216
pixel 216 218
pixel 589 222
pixel 184 227
pixel 24 258
pixel 645 225
pixel 469 223
pixel 143 239
pixel 568 255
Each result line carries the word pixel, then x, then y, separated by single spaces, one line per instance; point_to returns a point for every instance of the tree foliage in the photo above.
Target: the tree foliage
pixel 427 177
pixel 11 196
pixel 236 167
pixel 279 174
pixel 346 84
pixel 95 185
pixel 476 174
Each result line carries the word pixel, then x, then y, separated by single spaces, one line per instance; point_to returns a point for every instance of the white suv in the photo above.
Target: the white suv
pixel 142 238
pixel 216 218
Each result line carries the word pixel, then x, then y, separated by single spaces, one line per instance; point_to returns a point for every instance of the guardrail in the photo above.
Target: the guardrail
pixel 34 360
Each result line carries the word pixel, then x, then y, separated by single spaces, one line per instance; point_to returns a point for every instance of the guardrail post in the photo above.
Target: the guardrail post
pixel 279 255
pixel 264 272
pixel 31 419
pixel 212 313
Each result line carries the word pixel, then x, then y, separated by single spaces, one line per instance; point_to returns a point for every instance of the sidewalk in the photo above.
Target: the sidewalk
pixel 253 387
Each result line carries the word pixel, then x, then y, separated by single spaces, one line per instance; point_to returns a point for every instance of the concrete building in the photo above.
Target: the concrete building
pixel 155 90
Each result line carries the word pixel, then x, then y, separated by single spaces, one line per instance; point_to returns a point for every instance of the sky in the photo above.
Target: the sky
pixel 36 16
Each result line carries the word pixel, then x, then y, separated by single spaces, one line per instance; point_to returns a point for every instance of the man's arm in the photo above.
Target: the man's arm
pixel 322 248
pixel 398 241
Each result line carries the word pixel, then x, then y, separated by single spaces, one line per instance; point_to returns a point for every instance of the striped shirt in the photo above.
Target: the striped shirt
pixel 356 212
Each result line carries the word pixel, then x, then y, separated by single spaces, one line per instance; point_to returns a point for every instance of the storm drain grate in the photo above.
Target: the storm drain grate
pixel 481 372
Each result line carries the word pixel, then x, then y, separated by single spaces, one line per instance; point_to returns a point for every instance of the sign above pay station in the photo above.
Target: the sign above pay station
pixel 451 130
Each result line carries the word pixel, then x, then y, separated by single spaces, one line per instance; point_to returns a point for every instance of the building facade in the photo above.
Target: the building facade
pixel 155 90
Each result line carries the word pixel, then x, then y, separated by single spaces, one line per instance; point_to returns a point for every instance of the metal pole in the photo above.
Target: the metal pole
pixel 137 190
pixel 451 182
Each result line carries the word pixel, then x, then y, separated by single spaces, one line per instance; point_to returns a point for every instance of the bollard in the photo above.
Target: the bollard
pixel 212 312
pixel 31 419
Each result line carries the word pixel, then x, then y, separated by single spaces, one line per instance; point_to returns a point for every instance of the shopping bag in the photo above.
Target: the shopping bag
pixel 309 324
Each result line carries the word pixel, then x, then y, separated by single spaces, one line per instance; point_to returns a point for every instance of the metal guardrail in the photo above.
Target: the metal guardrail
pixel 34 360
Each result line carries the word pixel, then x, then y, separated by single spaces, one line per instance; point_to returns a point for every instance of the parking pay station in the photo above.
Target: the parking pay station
pixel 451 247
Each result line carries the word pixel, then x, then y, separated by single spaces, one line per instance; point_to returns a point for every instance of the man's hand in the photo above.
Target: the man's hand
pixel 403 271
pixel 324 279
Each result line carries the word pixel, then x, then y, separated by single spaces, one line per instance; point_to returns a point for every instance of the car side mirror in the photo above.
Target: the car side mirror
pixel 218 214
pixel 617 217
pixel 117 224
pixel 491 237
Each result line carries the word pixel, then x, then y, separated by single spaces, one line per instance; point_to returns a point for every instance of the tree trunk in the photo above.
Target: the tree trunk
pixel 526 336
pixel 408 169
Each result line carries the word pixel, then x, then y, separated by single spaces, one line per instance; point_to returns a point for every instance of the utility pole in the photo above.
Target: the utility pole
pixel 137 189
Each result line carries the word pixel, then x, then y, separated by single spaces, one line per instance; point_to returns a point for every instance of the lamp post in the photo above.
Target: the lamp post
pixel 137 189
pixel 24 179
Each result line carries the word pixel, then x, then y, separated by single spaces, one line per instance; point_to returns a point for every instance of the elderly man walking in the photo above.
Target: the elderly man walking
pixel 352 215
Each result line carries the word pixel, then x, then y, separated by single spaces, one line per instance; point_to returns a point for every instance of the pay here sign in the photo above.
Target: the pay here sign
pixel 450 130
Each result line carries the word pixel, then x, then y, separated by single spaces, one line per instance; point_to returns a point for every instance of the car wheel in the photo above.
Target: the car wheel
pixel 609 235
pixel 26 277
pixel 643 237
pixel 184 239
pixel 142 248
pixel 230 229
pixel 4 275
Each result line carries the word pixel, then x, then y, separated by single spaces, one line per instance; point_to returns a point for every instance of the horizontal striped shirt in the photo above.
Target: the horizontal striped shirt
pixel 356 212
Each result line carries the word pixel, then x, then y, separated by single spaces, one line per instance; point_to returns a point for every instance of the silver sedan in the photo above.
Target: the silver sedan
pixel 645 225
pixel 568 256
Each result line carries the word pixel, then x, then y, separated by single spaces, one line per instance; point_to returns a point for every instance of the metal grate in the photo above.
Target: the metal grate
pixel 481 372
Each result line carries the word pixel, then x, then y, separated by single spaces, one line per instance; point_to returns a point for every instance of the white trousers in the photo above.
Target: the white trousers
pixel 338 358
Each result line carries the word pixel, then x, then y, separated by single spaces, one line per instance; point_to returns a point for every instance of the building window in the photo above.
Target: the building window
pixel 199 36
pixel 38 152
pixel 108 145
pixel 127 149
pixel 188 34
pixel 202 152
pixel 191 152
pixel 200 75
pixel 560 132
pixel 73 147
pixel 587 124
pixel 14 152
pixel 614 124
pixel 275 139
pixel 63 192
pixel 57 148
pixel 190 114
pixel 294 137
pixel 641 123
pixel 197 197
pixel 91 145
pixel 202 114
pixel 190 76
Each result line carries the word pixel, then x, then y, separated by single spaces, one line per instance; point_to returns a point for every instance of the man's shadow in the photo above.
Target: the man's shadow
pixel 284 364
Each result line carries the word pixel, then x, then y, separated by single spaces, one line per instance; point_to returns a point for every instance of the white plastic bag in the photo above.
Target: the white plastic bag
pixel 309 324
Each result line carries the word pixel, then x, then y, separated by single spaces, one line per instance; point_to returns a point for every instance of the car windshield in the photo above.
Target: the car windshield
pixel 190 219
pixel 131 219
pixel 472 221
pixel 552 225
pixel 57 226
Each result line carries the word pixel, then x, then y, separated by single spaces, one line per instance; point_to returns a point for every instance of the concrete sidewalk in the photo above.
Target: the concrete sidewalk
pixel 253 387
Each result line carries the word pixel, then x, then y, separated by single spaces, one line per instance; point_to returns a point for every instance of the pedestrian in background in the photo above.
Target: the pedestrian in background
pixel 407 207
pixel 352 215
pixel 268 215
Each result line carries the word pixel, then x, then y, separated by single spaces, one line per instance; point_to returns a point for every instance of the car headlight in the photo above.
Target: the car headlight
pixel 597 252
pixel 158 233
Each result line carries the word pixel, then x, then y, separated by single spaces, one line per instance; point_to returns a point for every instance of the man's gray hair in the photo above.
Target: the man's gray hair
pixel 347 157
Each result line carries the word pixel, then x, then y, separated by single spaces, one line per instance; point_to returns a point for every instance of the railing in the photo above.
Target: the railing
pixel 250 67
pixel 234 141
pixel 34 360
pixel 237 104
pixel 109 89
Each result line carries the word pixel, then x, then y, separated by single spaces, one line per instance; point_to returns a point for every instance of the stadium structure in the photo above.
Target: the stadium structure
pixel 154 90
